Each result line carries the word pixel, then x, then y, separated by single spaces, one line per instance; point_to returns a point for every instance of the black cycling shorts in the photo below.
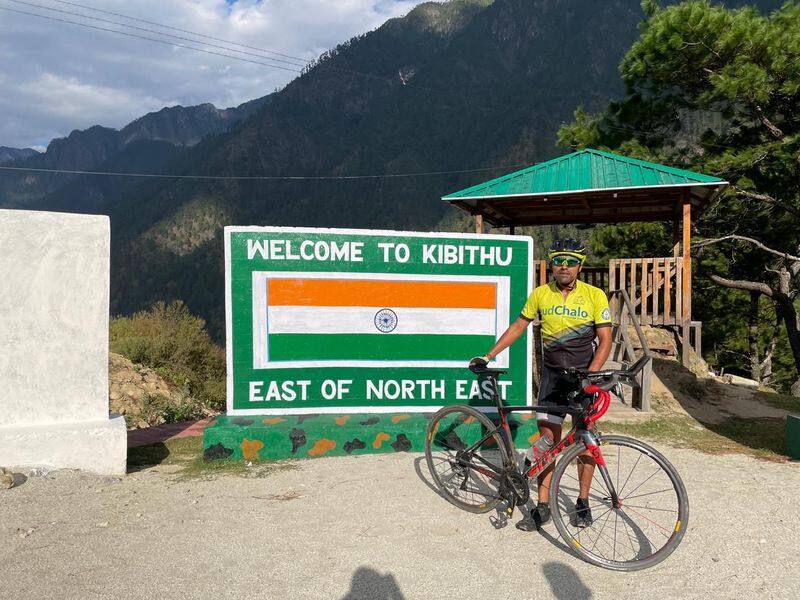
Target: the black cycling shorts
pixel 553 391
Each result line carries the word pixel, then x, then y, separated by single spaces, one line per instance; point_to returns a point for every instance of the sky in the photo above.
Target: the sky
pixel 56 77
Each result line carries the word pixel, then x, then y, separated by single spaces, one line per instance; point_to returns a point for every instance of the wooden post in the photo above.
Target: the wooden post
pixel 646 376
pixel 479 223
pixel 686 312
pixel 668 289
pixel 612 284
pixel 655 289
pixel 676 238
pixel 644 293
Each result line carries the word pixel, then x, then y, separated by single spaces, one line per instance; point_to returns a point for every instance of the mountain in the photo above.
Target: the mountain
pixel 187 126
pixel 453 86
pixel 88 149
pixel 9 155
pixel 483 84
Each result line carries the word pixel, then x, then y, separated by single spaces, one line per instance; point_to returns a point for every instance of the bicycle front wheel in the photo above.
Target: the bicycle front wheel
pixel 653 511
pixel 466 456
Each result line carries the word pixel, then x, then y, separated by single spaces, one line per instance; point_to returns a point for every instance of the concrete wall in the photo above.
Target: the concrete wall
pixel 54 302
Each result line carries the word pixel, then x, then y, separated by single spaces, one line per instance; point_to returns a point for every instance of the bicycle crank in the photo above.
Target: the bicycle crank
pixel 514 489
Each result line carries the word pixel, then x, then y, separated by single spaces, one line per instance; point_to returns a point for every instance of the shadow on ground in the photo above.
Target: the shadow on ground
pixel 368 584
pixel 747 417
pixel 141 457
pixel 565 583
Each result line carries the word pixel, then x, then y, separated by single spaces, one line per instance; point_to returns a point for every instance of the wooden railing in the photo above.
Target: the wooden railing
pixel 654 286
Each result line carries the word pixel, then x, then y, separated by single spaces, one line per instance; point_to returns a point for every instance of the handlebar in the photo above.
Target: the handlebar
pixel 484 370
pixel 606 379
pixel 591 376
pixel 609 378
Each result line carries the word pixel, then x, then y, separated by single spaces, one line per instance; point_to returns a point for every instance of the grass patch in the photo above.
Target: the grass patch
pixel 782 401
pixel 187 454
pixel 761 438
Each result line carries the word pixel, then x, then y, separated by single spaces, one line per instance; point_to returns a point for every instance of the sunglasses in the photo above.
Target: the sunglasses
pixel 568 261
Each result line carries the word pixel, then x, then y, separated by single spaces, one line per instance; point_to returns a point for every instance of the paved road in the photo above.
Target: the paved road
pixel 370 527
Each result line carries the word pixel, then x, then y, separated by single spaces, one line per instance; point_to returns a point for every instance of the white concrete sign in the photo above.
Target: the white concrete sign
pixel 54 304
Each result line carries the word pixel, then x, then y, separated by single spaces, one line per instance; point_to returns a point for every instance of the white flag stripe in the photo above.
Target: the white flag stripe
pixel 359 319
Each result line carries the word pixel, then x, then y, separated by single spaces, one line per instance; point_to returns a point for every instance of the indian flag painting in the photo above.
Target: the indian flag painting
pixel 375 319
pixel 354 321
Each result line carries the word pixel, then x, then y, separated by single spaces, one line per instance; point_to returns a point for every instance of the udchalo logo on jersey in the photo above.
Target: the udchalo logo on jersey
pixel 565 311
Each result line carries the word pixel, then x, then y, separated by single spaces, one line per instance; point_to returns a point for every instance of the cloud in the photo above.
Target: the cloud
pixel 56 77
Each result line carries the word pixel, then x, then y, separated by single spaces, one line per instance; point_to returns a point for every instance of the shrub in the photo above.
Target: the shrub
pixel 173 342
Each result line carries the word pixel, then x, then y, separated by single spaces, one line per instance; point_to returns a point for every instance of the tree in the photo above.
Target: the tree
pixel 718 90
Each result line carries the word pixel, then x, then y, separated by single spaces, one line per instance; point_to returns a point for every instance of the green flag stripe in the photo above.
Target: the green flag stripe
pixel 379 346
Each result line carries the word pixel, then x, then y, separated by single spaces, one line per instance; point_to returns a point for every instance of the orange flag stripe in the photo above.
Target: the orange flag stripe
pixel 360 292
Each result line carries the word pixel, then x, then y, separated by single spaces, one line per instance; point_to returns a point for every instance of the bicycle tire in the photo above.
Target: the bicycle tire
pixel 435 437
pixel 645 561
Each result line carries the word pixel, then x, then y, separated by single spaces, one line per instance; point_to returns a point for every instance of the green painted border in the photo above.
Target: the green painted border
pixel 311 436
pixel 239 320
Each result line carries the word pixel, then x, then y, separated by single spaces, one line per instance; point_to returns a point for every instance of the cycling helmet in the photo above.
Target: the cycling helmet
pixel 567 247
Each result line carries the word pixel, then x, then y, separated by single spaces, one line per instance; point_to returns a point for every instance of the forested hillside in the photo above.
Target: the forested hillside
pixel 485 84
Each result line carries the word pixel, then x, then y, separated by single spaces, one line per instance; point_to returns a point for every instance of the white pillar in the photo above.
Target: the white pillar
pixel 54 304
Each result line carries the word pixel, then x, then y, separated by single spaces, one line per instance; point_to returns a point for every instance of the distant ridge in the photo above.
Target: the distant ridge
pixel 9 155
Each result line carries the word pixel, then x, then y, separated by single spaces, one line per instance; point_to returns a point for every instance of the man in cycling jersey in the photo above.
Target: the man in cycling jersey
pixel 572 314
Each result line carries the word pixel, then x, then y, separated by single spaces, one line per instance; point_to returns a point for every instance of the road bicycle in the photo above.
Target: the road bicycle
pixel 639 503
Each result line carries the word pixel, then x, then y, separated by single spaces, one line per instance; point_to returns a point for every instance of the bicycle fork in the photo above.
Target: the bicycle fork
pixel 592 443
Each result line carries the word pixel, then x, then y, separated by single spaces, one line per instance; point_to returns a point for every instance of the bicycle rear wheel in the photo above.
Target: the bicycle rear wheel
pixel 651 519
pixel 466 473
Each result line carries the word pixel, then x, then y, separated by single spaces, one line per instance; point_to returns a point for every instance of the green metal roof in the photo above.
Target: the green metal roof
pixel 584 171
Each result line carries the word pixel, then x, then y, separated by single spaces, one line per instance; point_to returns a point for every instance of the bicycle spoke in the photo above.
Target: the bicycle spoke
pixel 649 494
pixel 629 474
pixel 600 533
pixel 630 540
pixel 664 530
pixel 651 508
pixel 601 536
pixel 643 532
pixel 656 472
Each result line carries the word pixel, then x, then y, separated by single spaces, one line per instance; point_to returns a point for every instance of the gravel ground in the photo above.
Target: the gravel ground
pixel 370 527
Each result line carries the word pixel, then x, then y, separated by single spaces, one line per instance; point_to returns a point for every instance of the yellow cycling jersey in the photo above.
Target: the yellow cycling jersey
pixel 568 324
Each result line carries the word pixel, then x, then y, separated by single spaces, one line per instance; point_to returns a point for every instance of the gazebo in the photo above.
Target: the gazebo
pixel 593 186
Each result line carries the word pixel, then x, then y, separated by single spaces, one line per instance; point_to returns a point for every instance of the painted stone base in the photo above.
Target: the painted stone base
pixel 793 436
pixel 97 446
pixel 311 436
